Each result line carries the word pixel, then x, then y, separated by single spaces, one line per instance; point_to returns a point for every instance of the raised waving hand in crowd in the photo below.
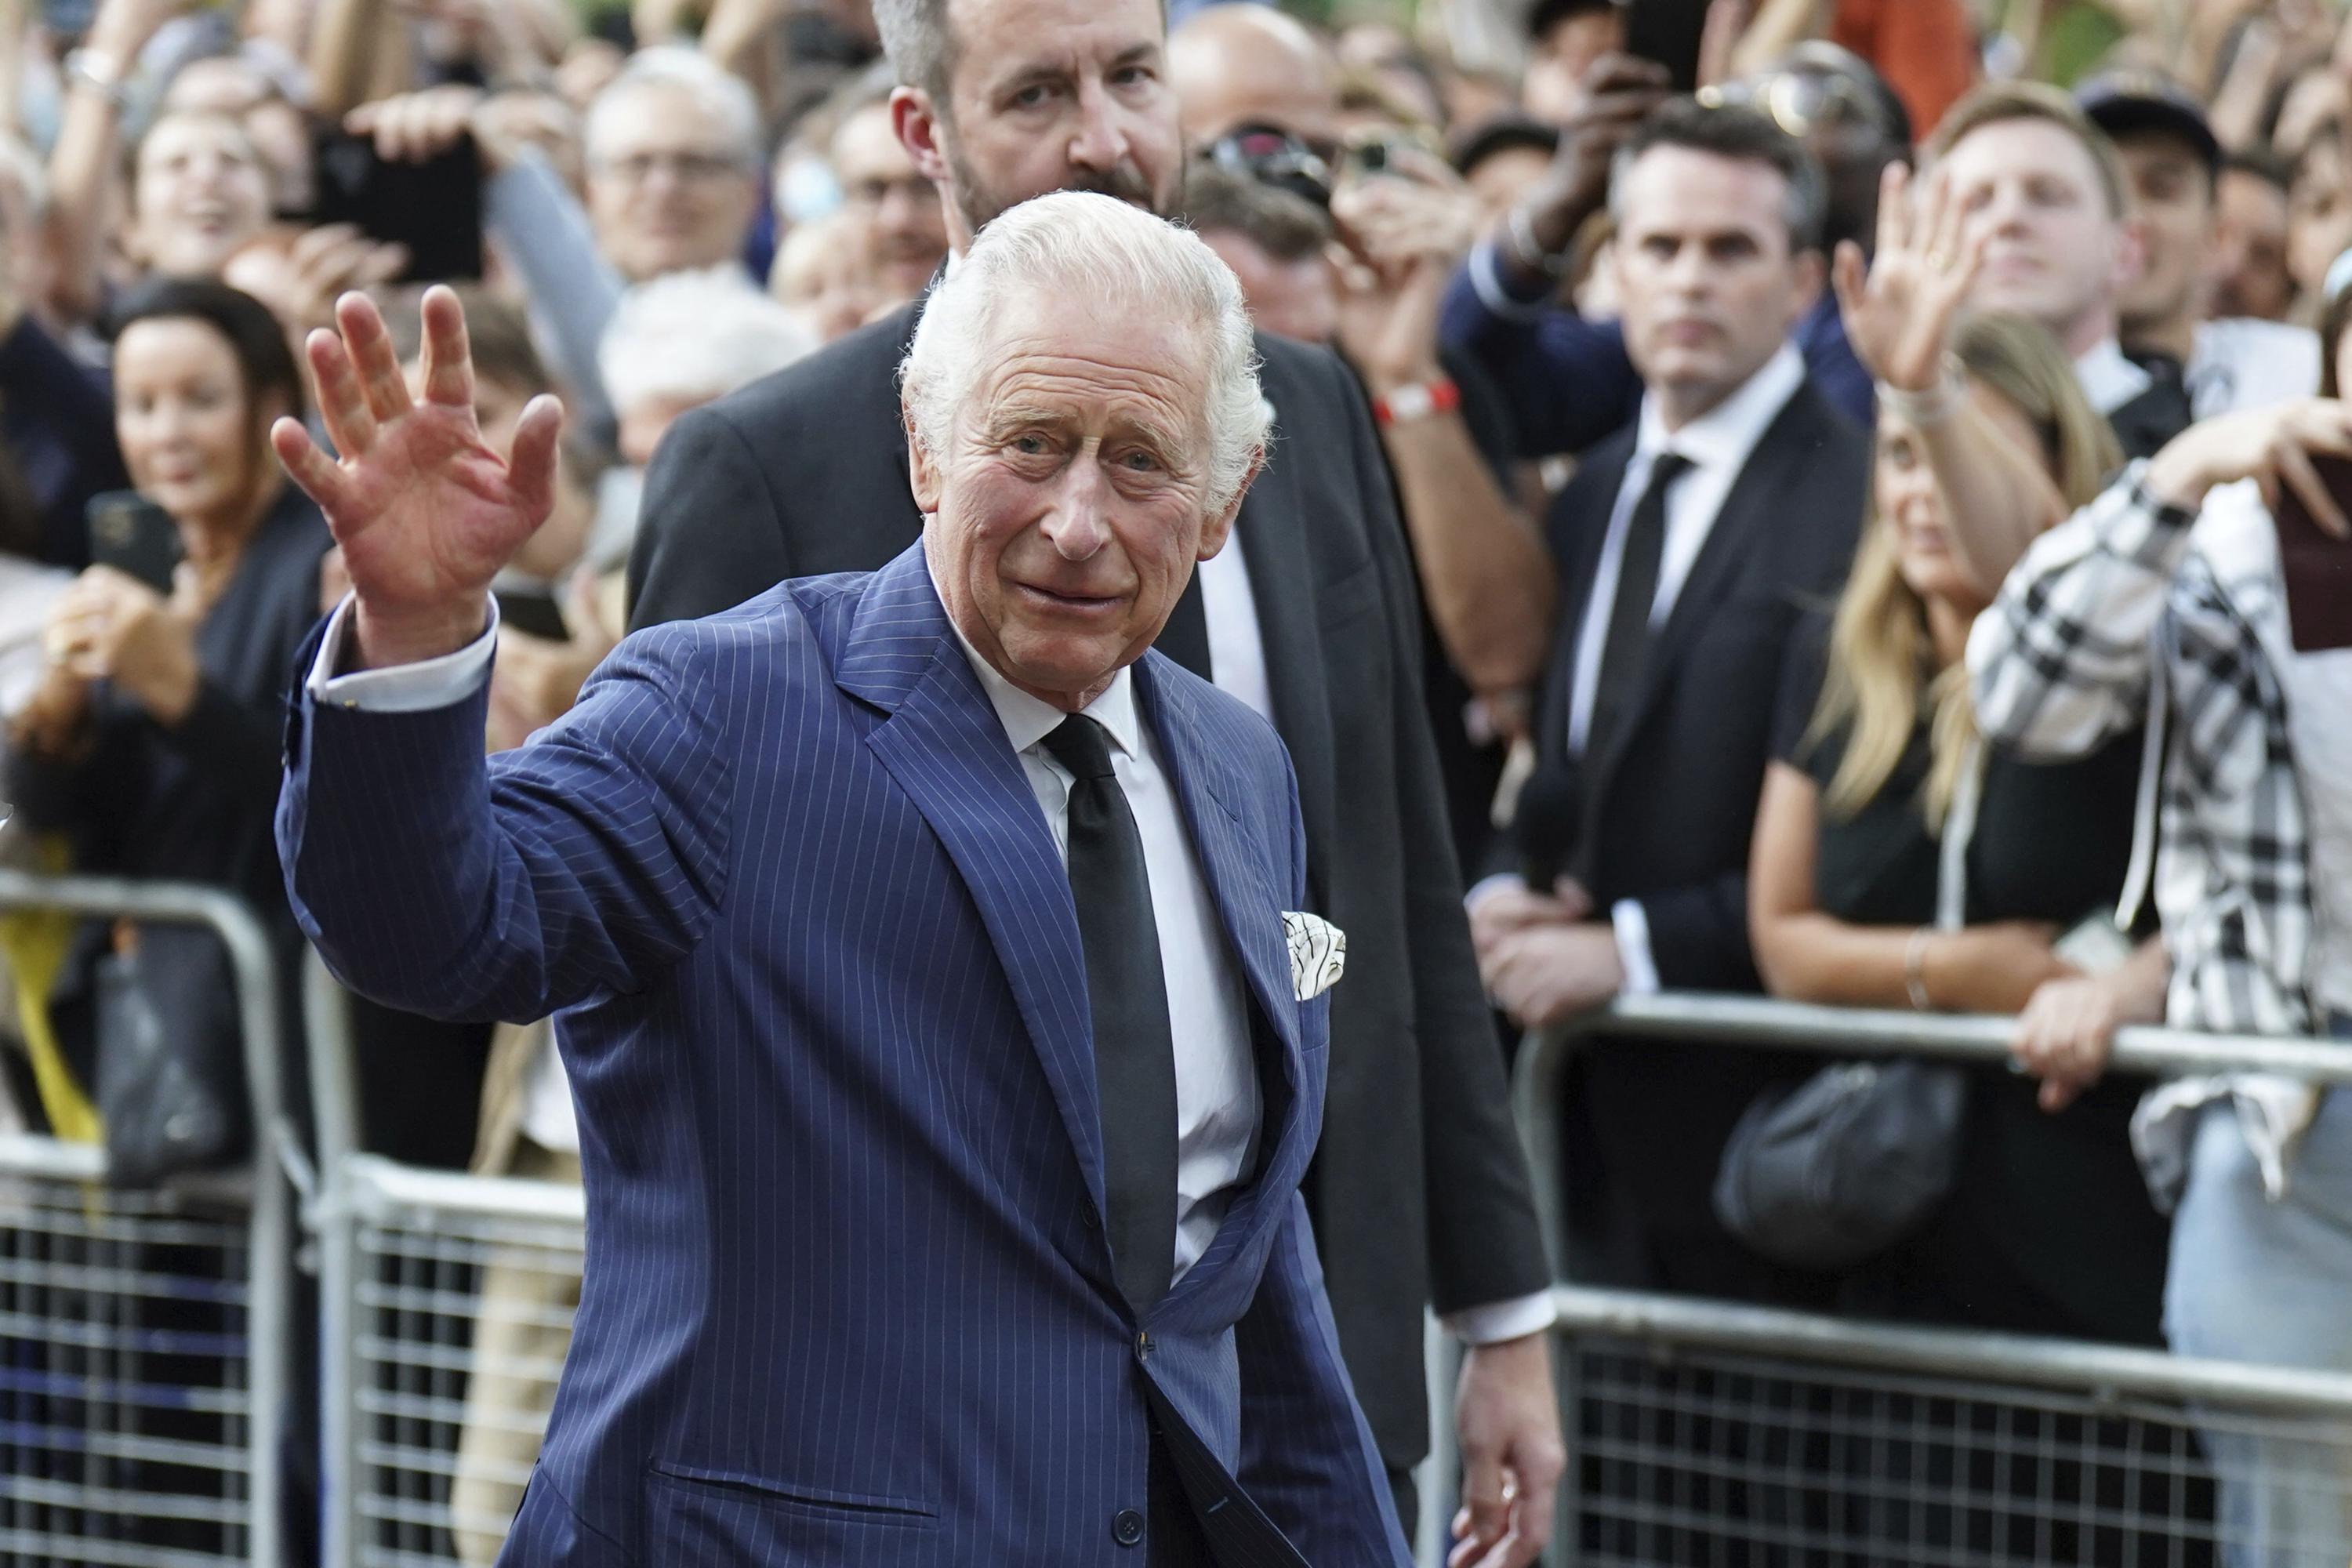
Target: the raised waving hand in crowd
pixel 425 511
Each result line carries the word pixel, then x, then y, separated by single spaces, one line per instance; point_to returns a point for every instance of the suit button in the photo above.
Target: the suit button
pixel 1126 1527
pixel 1086 1213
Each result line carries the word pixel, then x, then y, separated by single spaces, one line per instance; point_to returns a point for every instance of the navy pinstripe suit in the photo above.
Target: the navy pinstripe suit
pixel 847 1299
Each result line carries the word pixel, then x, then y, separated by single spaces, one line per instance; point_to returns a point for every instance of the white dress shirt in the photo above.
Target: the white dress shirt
pixel 1717 445
pixel 2109 379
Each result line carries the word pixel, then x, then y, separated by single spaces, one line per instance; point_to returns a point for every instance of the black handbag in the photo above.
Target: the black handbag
pixel 1858 1157
pixel 167 1088
pixel 1844 1166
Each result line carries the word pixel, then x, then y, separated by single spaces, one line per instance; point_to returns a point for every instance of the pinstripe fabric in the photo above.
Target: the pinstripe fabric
pixel 846 1299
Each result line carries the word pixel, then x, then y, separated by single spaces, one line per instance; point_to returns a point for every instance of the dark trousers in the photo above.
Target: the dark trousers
pixel 1408 1502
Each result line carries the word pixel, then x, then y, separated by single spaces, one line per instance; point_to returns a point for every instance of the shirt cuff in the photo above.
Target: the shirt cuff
pixel 1499 1320
pixel 400 688
pixel 1633 925
pixel 1485 888
pixel 1486 282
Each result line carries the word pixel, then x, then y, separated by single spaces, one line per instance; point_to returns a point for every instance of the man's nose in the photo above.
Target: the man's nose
pixel 1099 139
pixel 1076 525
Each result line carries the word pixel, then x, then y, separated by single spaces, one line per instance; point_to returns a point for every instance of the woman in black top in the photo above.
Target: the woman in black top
pixel 2049 1229
pixel 154 741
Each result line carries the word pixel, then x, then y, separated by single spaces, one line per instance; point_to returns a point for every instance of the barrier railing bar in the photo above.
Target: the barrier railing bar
pixel 382 1186
pixel 1983 1356
pixel 2015 1359
pixel 254 965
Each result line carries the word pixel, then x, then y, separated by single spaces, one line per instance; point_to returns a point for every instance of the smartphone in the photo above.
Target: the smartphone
pixel 2316 565
pixel 1667 31
pixel 537 613
pixel 434 208
pixel 134 536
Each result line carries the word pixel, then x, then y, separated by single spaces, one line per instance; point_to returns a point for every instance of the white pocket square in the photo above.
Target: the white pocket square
pixel 1319 952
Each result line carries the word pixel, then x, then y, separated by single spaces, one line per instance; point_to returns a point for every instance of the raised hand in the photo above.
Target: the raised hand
pixel 425 511
pixel 1898 314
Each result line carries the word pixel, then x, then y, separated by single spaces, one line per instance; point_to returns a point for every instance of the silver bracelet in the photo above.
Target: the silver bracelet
pixel 1914 969
pixel 1933 407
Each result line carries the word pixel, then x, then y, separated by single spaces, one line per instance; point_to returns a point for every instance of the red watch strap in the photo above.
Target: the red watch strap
pixel 1418 401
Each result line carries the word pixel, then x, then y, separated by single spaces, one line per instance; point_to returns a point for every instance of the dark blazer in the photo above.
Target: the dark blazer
pixel 1419 1189
pixel 1670 807
pixel 849 1300
pixel 191 803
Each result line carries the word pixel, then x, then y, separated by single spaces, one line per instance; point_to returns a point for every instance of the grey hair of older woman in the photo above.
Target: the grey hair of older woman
pixel 1082 245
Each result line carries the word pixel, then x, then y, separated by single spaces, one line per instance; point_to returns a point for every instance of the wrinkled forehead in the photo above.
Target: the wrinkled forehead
pixel 1096 366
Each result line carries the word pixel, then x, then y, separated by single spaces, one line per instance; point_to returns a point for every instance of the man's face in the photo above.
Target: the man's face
pixel 908 231
pixel 1070 502
pixel 2173 204
pixel 1295 298
pixel 2248 265
pixel 2058 256
pixel 667 192
pixel 1705 274
pixel 1048 95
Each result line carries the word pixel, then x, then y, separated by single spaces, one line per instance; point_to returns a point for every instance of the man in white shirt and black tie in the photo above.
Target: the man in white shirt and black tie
pixel 1689 544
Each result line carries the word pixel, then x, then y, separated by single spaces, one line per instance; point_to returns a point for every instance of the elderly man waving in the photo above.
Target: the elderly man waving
pixel 946 1052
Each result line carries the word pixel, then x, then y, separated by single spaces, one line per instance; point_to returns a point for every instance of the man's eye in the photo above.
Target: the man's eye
pixel 1141 462
pixel 1031 97
pixel 1029 446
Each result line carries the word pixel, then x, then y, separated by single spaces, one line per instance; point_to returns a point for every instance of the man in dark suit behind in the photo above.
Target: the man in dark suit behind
pixel 1419 1192
pixel 1689 544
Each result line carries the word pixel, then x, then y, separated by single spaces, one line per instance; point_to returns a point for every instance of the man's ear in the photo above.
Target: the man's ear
pixel 922 472
pixel 917 123
pixel 1220 528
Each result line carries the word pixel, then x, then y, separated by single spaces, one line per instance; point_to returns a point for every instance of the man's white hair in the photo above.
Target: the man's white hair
pixel 694 336
pixel 1077 244
pixel 719 92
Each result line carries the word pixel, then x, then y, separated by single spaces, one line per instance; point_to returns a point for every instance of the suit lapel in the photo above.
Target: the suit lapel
pixel 1249 910
pixel 1277 555
pixel 1745 522
pixel 947 748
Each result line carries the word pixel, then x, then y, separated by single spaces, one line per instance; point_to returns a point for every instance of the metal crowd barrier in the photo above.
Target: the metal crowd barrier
pixel 1711 1432
pixel 144 1336
pixel 446 1305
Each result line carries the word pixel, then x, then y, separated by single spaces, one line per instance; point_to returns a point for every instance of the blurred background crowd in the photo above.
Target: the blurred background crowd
pixel 1878 353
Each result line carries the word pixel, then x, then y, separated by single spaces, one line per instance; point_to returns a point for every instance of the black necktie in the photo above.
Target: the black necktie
pixel 1185 638
pixel 1628 643
pixel 1135 1053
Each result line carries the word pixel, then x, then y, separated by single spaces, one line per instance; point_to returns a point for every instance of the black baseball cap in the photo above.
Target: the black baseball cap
pixel 2123 101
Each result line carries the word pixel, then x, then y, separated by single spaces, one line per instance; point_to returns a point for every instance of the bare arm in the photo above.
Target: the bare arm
pixel 88 147
pixel 359 52
pixel 1806 955
pixel 1488 578
pixel 1779 26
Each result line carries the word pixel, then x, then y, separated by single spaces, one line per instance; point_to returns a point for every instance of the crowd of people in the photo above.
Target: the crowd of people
pixel 1841 500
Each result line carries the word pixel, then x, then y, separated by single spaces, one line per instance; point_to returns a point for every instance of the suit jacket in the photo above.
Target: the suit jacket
pixel 848 1296
pixel 1671 805
pixel 1419 1188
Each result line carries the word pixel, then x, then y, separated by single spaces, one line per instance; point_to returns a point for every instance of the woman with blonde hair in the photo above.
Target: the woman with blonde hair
pixel 1885 812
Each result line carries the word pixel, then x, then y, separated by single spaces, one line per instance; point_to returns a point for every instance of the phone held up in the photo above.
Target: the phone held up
pixel 135 537
pixel 2316 565
pixel 433 208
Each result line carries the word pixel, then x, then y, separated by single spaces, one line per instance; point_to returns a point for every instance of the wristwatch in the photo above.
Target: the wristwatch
pixel 1417 400
pixel 1519 239
pixel 101 73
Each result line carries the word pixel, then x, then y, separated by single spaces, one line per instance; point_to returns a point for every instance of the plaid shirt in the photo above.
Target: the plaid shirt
pixel 2132 610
